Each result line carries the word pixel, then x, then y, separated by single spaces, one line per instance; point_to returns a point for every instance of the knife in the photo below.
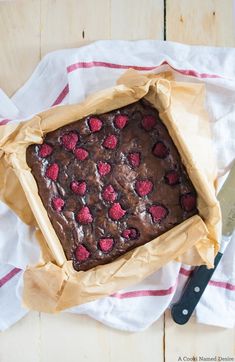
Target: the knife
pixel 183 309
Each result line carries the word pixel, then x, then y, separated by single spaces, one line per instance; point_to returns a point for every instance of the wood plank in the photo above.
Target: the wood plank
pixel 200 22
pixel 31 28
pixel 209 22
pixel 20 42
pixel 195 340
pixel 21 341
pixel 137 19
pixel 72 23
pixel 67 337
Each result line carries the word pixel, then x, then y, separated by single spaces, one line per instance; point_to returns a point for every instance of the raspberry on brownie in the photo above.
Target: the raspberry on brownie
pixel 57 203
pixel 188 201
pixel 110 142
pixel 134 159
pixel 78 187
pixel 106 244
pixel 120 121
pixel 84 216
pixel 148 122
pixel 103 168
pixel 81 154
pixel 109 194
pixel 116 211
pixel 131 233
pixel 45 150
pixel 158 212
pixel 143 187
pixel 52 172
pixel 82 253
pixel 172 177
pixel 69 140
pixel 111 183
pixel 95 124
pixel 160 150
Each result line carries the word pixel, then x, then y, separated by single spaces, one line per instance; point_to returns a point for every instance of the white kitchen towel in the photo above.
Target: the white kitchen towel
pixel 68 76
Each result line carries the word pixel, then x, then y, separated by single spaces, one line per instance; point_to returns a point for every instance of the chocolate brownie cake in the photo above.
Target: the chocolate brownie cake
pixel 111 182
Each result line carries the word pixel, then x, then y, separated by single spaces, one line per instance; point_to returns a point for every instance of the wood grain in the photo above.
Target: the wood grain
pixel 72 23
pixel 20 42
pixel 28 30
pixel 209 22
pixel 75 338
pixel 195 340
pixel 21 343
pixel 137 19
pixel 68 337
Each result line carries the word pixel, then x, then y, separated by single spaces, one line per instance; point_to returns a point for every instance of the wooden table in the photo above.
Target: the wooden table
pixel 28 30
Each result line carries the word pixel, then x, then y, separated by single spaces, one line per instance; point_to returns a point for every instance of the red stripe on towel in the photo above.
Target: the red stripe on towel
pixel 224 285
pixel 61 96
pixel 9 276
pixel 185 272
pixel 144 293
pixel 4 121
pixel 188 72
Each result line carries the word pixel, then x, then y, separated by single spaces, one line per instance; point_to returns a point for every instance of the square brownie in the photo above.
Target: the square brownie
pixel 111 182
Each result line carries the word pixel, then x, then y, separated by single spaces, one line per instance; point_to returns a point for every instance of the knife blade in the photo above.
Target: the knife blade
pixel 182 310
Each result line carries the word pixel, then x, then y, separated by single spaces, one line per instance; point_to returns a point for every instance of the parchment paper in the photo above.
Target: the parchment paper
pixel 53 284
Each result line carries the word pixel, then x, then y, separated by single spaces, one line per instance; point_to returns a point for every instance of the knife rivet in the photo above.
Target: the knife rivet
pixel 197 289
pixel 185 311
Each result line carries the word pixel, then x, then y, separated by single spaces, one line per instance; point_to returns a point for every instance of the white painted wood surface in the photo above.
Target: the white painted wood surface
pixel 28 30
pixel 65 337
pixel 201 22
pixel 197 340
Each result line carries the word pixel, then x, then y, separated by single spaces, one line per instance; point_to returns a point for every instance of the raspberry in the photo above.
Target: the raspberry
pixel 110 142
pixel 69 140
pixel 134 159
pixel 106 244
pixel 160 150
pixel 45 150
pixel 188 202
pixel 57 203
pixel 116 212
pixel 103 168
pixel 84 216
pixel 81 154
pixel 172 178
pixel 52 171
pixel 130 234
pixel 120 121
pixel 95 124
pixel 158 212
pixel 143 187
pixel 78 188
pixel 148 122
pixel 109 194
pixel 82 253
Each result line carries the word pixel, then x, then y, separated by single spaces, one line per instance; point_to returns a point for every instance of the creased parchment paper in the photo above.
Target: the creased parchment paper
pixel 53 284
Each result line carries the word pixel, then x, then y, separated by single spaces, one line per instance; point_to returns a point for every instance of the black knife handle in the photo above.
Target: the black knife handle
pixel 183 309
